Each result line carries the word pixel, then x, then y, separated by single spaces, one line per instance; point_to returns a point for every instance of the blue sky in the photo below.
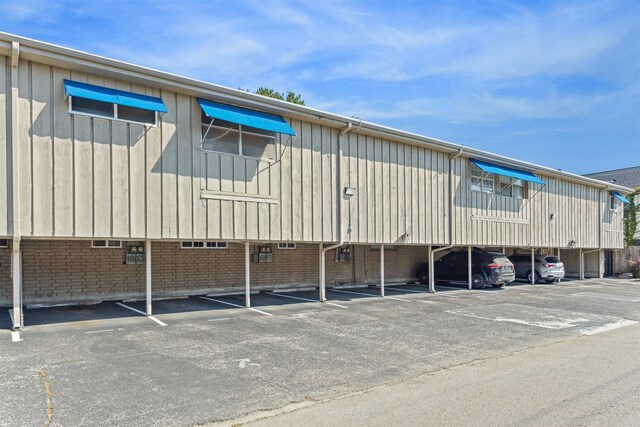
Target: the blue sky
pixel 551 82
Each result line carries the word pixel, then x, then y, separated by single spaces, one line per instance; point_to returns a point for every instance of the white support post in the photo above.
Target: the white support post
pixel 432 276
pixel 322 288
pixel 147 255
pixel 558 255
pixel 581 264
pixel 601 263
pixel 16 271
pixel 247 277
pixel 381 270
pixel 470 266
pixel 533 266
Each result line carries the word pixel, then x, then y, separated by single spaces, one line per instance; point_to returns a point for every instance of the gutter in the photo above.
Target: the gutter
pixel 70 58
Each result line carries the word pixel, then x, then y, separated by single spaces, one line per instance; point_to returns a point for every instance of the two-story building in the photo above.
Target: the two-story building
pixel 119 182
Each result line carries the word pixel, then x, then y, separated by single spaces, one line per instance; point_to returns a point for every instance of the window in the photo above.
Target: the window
pixel 106 244
pixel 286 245
pixel 90 107
pixel 231 138
pixel 503 185
pixel 204 245
pixel 613 203
pixel 480 180
pixel 4 243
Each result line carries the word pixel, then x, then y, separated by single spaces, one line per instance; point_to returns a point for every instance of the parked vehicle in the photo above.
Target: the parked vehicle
pixel 487 268
pixel 547 267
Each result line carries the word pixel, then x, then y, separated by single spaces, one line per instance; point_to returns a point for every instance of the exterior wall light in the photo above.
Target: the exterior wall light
pixel 349 192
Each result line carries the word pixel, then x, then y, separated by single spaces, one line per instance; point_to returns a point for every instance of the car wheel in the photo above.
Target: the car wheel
pixel 537 278
pixel 423 277
pixel 478 281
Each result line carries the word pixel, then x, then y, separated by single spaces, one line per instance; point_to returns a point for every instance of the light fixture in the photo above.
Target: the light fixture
pixel 349 191
pixel 552 216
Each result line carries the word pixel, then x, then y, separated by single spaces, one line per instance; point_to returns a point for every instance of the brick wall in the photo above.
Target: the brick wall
pixel 6 285
pixel 67 271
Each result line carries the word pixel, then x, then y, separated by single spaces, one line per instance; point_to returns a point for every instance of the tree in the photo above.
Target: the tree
pixel 631 219
pixel 290 96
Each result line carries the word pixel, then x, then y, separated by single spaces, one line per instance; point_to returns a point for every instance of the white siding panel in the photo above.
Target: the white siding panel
pixel 5 160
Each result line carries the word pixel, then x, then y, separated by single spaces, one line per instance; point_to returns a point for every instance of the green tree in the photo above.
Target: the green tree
pixel 631 219
pixel 290 96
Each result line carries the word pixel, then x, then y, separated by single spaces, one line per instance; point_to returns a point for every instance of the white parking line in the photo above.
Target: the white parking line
pixel 369 295
pixel 389 288
pixel 237 305
pixel 155 319
pixel 306 299
pixel 627 298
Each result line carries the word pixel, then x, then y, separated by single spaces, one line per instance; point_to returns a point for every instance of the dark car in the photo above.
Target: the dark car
pixel 488 268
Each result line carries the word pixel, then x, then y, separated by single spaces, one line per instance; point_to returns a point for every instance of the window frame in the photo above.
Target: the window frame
pixel 205 244
pixel 613 203
pixel 287 246
pixel 115 114
pixel 273 137
pixel 497 181
pixel 106 244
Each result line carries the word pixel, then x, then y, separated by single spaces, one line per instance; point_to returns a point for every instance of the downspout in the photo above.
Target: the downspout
pixel 323 249
pixel 599 241
pixel 16 257
pixel 432 287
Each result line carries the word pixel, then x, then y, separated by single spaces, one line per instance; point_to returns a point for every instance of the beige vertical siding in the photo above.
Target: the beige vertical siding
pixel 87 177
pixel 5 158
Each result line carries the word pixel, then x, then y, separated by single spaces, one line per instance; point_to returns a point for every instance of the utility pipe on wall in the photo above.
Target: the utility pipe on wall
pixel 324 250
pixel 432 284
pixel 16 254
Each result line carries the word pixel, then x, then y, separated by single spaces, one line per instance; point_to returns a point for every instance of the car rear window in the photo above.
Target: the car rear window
pixel 552 259
pixel 501 259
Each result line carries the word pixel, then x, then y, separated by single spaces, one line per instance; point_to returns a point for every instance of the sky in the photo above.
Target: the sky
pixel 555 83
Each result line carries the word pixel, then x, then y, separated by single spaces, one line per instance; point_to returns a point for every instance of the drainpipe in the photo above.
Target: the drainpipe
pixel 323 250
pixel 583 253
pixel 16 254
pixel 432 281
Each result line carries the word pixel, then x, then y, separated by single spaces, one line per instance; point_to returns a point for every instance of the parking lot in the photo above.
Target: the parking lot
pixel 206 359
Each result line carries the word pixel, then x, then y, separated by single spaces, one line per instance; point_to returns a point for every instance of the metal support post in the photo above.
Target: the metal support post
pixel 16 271
pixel 381 270
pixel 581 264
pixel 533 266
pixel 322 296
pixel 601 264
pixel 147 255
pixel 470 266
pixel 247 277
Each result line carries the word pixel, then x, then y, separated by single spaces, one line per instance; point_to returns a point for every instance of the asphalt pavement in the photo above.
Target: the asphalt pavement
pixel 203 360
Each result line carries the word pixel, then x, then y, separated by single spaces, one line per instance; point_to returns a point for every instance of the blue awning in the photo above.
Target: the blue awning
pixel 504 171
pixel 114 96
pixel 243 116
pixel 619 197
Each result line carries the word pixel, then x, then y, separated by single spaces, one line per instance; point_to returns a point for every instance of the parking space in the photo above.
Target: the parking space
pixel 302 350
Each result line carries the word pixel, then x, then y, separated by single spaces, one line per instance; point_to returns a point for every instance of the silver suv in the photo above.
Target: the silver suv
pixel 547 267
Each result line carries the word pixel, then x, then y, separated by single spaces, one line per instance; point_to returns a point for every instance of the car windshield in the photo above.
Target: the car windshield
pixel 552 259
